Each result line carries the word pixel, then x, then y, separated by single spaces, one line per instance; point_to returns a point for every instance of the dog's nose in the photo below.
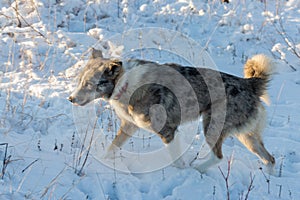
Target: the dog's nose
pixel 71 99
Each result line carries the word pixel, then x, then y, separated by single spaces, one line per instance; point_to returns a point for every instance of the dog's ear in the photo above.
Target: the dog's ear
pixel 115 68
pixel 96 53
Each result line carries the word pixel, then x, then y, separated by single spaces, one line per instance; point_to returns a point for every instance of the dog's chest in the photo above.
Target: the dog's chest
pixel 124 112
pixel 121 110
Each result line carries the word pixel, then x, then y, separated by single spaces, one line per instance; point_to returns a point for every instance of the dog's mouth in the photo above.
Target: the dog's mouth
pixel 76 103
pixel 81 104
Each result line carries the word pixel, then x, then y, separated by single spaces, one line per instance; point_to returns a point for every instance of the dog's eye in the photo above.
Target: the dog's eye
pixel 89 85
pixel 101 82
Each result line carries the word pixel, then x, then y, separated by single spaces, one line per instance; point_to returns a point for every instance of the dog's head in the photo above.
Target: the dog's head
pixel 97 80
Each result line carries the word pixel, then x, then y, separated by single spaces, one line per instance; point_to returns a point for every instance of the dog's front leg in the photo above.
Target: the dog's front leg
pixel 175 151
pixel 126 130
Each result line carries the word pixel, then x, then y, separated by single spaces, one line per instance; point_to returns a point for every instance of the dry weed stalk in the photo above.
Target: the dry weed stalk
pixel 5 160
pixel 226 177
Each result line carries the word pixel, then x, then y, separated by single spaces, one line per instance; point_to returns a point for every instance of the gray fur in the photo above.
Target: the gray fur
pixel 160 97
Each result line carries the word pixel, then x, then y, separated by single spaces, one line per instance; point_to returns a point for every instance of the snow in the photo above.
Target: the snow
pixel 45 44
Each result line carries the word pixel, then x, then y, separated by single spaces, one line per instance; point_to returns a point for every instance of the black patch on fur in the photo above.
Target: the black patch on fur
pixel 148 95
pixel 196 78
pixel 233 91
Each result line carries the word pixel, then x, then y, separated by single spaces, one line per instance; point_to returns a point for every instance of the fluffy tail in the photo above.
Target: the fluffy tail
pixel 259 67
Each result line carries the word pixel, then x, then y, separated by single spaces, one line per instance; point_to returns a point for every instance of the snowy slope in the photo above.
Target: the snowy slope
pixel 45 44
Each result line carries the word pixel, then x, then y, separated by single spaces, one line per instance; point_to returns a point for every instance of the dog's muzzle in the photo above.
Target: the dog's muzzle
pixel 71 99
pixel 74 101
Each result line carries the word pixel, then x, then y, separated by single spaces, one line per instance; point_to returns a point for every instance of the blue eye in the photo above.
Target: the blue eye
pixel 89 85
pixel 101 82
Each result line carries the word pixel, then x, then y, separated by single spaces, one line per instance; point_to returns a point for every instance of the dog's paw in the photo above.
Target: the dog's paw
pixel 199 167
pixel 271 170
pixel 204 166
pixel 110 154
pixel 195 163
pixel 179 163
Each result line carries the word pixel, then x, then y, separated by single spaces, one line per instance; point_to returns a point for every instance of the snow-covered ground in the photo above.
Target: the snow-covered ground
pixel 44 141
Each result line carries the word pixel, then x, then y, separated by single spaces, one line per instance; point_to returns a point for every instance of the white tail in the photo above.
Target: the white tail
pixel 259 66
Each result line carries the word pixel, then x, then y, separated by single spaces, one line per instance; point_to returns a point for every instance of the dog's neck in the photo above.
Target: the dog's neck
pixel 126 66
pixel 122 89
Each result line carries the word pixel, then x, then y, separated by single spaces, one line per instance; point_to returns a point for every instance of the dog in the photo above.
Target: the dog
pixel 160 97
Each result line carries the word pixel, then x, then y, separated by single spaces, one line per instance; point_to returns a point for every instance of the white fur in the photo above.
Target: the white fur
pixel 211 160
pixel 175 150
pixel 265 64
pixel 262 64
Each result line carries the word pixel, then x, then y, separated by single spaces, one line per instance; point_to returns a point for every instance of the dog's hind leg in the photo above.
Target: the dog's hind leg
pixel 214 157
pixel 252 141
pixel 126 130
